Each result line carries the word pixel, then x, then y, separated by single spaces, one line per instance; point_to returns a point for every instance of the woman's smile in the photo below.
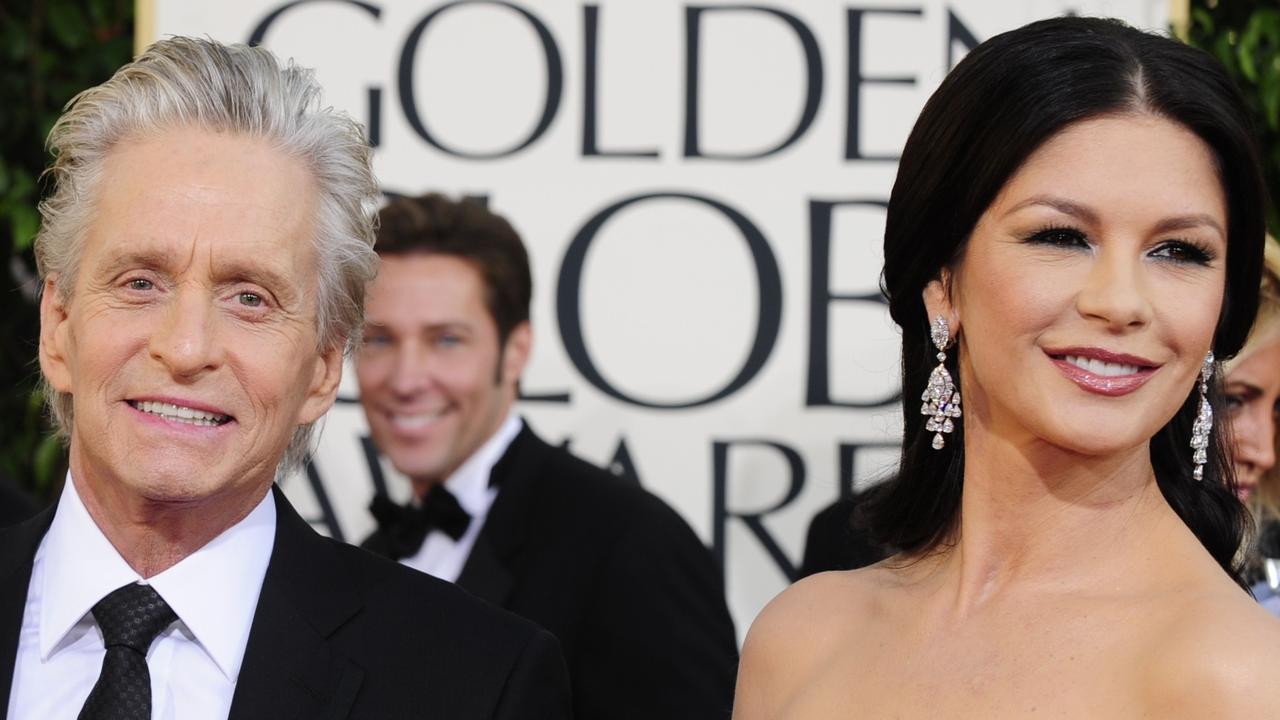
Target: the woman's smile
pixel 1101 371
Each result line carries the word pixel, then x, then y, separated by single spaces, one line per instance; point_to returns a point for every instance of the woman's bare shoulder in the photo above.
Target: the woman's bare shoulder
pixel 800 630
pixel 1214 654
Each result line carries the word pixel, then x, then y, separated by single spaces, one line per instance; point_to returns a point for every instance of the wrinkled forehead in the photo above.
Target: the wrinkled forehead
pixel 190 200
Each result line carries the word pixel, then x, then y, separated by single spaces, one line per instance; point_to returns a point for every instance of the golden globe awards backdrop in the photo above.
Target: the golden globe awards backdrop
pixel 702 190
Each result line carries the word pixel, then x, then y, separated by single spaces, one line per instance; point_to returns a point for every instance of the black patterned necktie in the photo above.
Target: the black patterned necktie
pixel 405 527
pixel 130 618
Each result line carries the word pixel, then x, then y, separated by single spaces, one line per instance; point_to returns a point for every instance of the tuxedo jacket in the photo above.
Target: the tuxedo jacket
pixel 15 505
pixel 340 633
pixel 630 591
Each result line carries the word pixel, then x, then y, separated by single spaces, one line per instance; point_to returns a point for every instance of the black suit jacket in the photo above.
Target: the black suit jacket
pixel 633 595
pixel 340 633
pixel 15 505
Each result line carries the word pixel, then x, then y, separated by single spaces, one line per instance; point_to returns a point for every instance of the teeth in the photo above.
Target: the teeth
pixel 1098 367
pixel 179 413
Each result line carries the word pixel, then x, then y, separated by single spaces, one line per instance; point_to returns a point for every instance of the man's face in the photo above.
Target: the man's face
pixel 434 381
pixel 189 342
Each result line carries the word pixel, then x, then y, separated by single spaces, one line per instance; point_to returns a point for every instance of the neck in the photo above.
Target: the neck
pixel 153 534
pixel 1038 516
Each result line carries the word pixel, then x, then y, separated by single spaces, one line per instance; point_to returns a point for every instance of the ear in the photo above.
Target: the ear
pixel 324 386
pixel 515 354
pixel 938 301
pixel 55 337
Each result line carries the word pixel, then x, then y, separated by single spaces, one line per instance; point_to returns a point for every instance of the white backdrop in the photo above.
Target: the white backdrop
pixel 701 190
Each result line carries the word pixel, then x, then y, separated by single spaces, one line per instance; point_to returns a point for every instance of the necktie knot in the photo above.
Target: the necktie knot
pixel 133 616
pixel 130 619
pixel 405 527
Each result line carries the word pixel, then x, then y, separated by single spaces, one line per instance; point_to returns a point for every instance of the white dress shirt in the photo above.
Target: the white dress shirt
pixel 441 555
pixel 194 663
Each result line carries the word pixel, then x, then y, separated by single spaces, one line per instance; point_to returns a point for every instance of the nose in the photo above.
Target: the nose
pixel 411 371
pixel 1115 291
pixel 185 339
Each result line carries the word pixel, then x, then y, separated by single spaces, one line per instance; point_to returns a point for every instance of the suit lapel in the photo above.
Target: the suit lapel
pixel 489 570
pixel 17 552
pixel 289 669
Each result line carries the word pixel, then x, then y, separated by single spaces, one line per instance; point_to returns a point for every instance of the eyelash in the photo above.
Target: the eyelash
pixel 1185 251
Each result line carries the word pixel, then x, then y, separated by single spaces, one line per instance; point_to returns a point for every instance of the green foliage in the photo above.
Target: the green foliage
pixel 50 50
pixel 1245 37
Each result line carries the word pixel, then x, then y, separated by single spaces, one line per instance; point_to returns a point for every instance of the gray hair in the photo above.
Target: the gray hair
pixel 190 82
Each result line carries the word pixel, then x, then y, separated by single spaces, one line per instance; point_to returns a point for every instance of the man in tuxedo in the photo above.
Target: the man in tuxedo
pixel 204 259
pixel 632 594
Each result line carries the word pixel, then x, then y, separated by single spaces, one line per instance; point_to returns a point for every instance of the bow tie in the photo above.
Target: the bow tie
pixel 405 527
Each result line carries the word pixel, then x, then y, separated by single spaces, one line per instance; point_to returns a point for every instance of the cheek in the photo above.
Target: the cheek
pixel 267 382
pixel 372 374
pixel 99 352
pixel 1188 316
pixel 1258 426
pixel 1004 304
pixel 467 379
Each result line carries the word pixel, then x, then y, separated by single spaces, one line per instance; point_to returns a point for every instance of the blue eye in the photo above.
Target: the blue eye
pixel 448 341
pixel 249 299
pixel 140 284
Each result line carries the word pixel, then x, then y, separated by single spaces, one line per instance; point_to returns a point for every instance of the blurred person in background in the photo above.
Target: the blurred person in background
pixel 612 571
pixel 1252 388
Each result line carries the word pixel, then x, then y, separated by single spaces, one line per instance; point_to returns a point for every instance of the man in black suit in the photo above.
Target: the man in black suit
pixel 204 258
pixel 623 582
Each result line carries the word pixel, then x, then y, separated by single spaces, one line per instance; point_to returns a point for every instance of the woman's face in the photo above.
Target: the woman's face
pixel 1088 292
pixel 1253 398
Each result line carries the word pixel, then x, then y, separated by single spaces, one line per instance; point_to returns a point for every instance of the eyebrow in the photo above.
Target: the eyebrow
pixel 1245 387
pixel 151 259
pixel 234 271
pixel 1177 222
pixel 446 326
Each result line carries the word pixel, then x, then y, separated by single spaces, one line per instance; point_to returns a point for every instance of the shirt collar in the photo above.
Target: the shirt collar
pixel 470 482
pixel 214 591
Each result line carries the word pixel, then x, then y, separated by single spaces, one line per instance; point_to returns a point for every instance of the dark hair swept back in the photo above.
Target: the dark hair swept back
pixel 1002 102
pixel 434 224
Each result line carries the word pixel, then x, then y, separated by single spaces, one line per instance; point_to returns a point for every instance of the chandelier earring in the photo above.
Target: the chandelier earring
pixel 941 398
pixel 1204 421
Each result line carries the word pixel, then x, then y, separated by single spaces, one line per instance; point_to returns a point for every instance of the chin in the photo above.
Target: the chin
pixel 1097 442
pixel 172 492
pixel 415 465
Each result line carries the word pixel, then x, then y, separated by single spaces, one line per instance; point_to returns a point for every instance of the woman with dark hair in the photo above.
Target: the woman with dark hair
pixel 1073 243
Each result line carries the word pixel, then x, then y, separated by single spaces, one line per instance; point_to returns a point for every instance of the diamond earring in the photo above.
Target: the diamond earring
pixel 941 399
pixel 1204 421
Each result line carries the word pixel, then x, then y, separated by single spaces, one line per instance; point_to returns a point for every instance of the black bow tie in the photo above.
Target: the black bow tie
pixel 405 527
